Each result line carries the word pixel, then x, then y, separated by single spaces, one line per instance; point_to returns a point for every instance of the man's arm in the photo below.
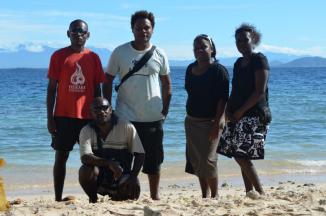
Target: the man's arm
pixel 214 132
pixel 138 163
pixel 132 183
pixel 50 101
pixel 107 87
pixel 166 93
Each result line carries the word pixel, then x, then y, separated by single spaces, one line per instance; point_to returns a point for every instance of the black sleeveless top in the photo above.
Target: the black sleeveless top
pixel 205 90
pixel 243 84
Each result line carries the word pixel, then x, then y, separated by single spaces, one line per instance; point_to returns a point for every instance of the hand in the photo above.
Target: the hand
pixel 213 134
pixel 51 126
pixel 164 113
pixel 115 168
pixel 132 187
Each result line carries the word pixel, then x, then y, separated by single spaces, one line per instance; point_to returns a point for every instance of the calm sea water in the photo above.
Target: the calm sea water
pixel 295 143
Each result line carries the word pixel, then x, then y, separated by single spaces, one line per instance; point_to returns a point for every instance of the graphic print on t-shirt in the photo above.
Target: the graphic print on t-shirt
pixel 77 80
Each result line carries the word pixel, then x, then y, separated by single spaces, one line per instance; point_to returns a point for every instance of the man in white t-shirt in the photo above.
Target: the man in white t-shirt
pixel 108 146
pixel 144 97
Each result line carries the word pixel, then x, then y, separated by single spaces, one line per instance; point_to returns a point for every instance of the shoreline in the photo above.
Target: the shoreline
pixel 19 183
pixel 286 194
pixel 284 198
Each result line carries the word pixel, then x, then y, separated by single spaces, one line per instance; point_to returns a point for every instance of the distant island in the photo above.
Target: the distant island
pixel 23 58
pixel 296 62
pixel 305 62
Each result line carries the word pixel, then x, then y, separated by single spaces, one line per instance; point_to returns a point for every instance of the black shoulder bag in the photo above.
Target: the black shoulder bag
pixel 137 66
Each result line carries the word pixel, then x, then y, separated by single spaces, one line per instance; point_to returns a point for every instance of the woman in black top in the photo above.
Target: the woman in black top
pixel 207 85
pixel 247 109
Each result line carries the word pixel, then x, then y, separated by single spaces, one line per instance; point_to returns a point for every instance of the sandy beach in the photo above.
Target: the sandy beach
pixel 180 195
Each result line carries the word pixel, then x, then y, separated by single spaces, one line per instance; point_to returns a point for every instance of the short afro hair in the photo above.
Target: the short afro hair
pixel 143 14
pixel 255 35
pixel 77 21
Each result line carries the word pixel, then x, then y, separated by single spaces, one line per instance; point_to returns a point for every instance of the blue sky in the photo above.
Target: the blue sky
pixel 288 26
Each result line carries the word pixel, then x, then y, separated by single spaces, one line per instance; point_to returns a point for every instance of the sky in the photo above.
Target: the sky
pixel 287 26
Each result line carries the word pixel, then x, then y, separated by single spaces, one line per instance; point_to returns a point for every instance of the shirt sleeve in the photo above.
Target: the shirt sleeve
pixel 187 81
pixel 85 141
pixel 261 62
pixel 224 83
pixel 100 76
pixel 54 69
pixel 113 64
pixel 165 68
pixel 134 143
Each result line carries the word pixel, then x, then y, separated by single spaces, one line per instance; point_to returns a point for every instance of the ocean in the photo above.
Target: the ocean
pixel 295 144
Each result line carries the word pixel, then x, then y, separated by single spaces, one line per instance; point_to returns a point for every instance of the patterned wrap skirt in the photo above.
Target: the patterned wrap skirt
pixel 200 152
pixel 244 139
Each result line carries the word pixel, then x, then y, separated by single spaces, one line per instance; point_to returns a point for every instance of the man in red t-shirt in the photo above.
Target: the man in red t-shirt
pixel 75 74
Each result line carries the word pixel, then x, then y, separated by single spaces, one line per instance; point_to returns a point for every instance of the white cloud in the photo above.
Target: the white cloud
pixel 312 51
pixel 34 47
pixel 185 51
pixel 279 49
pixel 178 51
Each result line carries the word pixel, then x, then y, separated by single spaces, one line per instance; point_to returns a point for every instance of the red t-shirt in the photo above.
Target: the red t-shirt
pixel 77 75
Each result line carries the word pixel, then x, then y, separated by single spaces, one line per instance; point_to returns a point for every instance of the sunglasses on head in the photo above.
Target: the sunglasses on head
pixel 205 36
pixel 78 31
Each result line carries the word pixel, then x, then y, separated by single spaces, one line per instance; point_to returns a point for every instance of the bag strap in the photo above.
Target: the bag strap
pixel 99 141
pixel 137 66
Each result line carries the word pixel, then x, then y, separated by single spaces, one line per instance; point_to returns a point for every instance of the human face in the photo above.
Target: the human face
pixel 101 111
pixel 78 34
pixel 244 43
pixel 142 31
pixel 202 50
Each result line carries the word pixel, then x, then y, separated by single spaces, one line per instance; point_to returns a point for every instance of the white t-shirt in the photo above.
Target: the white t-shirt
pixel 122 136
pixel 139 98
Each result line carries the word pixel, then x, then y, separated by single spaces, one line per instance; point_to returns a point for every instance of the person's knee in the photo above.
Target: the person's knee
pixel 152 170
pixel 244 163
pixel 152 166
pixel 87 174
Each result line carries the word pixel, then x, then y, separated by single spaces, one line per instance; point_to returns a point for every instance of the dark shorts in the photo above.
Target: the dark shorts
pixel 116 189
pixel 151 136
pixel 67 134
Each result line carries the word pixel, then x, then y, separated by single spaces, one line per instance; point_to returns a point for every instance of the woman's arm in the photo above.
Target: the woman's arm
pixel 218 120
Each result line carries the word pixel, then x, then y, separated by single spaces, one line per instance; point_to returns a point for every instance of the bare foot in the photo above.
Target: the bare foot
pixel 68 198
pixel 253 195
pixel 155 197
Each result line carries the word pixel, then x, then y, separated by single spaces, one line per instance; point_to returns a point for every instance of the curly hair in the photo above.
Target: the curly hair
pixel 255 35
pixel 143 14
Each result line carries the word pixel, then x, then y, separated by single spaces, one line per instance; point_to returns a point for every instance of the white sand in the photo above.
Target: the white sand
pixel 180 195
pixel 285 198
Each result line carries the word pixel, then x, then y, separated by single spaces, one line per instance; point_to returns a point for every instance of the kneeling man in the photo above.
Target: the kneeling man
pixel 108 148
